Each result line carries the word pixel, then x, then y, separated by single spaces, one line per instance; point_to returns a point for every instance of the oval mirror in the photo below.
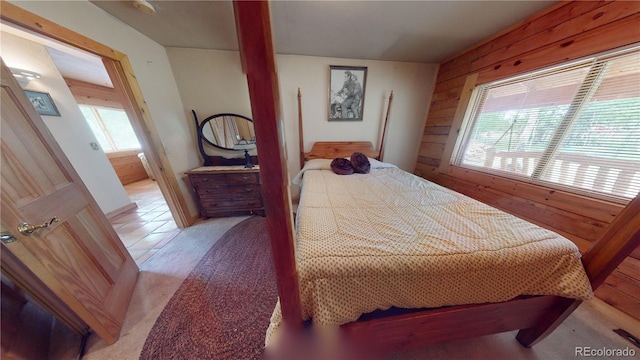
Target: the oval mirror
pixel 228 131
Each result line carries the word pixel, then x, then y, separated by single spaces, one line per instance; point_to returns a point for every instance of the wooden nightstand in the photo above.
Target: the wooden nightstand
pixel 227 190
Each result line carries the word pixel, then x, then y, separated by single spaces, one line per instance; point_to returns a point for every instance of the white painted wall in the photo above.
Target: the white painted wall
pixel 69 129
pixel 412 85
pixel 212 81
pixel 151 67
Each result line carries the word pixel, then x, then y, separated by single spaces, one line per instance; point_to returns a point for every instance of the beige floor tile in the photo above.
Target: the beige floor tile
pixel 148 227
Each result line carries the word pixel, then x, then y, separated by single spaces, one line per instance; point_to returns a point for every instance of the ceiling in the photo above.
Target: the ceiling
pixel 410 31
pixel 70 62
pixel 407 31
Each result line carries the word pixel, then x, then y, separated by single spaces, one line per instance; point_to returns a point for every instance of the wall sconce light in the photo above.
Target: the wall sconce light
pixel 24 76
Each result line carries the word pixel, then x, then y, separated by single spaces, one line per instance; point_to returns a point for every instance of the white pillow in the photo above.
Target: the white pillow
pixel 318 164
pixel 313 164
pixel 375 164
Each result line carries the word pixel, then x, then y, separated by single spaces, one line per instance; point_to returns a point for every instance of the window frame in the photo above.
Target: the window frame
pixel 467 107
pixel 105 130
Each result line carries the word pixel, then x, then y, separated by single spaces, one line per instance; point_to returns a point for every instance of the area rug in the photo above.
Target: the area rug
pixel 222 309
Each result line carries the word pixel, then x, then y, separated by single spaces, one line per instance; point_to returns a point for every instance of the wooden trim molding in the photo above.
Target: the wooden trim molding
pixel 459 120
pixel 130 94
pixel 130 206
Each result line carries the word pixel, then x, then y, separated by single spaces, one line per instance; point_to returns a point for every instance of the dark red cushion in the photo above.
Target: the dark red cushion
pixel 341 166
pixel 360 163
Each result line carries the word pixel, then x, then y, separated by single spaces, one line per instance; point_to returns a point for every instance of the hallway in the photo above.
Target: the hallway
pixel 147 228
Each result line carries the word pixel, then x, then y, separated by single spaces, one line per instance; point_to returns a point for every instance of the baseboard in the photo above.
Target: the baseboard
pixel 130 206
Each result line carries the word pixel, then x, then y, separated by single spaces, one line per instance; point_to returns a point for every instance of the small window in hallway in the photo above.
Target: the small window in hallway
pixel 111 128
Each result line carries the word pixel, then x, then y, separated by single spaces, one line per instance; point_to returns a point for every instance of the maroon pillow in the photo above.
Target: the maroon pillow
pixel 360 163
pixel 341 166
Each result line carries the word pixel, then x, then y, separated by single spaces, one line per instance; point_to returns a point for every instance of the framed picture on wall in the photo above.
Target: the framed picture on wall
pixel 42 102
pixel 346 92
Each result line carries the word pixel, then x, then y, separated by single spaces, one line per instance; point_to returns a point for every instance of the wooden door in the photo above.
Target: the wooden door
pixel 80 258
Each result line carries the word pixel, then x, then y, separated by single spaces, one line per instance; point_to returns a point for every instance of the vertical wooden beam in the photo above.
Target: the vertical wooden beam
pixel 253 22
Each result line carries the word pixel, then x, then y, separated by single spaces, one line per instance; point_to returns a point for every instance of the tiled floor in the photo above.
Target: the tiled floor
pixel 150 226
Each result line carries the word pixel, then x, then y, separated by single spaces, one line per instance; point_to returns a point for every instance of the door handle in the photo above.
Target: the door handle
pixel 27 229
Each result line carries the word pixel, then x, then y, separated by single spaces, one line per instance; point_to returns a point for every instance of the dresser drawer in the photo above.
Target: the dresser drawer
pixel 227 192
pixel 214 203
pixel 224 179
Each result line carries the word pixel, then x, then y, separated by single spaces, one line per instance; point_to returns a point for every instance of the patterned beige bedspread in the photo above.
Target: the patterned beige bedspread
pixel 389 238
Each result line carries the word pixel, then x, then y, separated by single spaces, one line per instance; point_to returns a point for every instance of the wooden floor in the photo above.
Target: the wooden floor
pixel 147 228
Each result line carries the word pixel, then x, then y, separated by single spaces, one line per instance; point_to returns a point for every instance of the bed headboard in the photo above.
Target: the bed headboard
pixel 334 149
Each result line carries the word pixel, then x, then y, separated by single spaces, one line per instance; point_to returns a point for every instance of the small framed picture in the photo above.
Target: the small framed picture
pixel 42 102
pixel 346 92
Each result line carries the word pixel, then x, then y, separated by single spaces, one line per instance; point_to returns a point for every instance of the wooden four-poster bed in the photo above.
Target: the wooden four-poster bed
pixel 534 316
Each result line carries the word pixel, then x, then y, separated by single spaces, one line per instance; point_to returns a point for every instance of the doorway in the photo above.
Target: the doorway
pixel 126 85
pixel 144 221
pixel 107 274
pixel 148 225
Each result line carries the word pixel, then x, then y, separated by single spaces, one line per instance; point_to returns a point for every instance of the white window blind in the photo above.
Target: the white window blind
pixel 576 126
pixel 111 128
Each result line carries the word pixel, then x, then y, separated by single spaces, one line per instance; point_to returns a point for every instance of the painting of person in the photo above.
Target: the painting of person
pixel 346 93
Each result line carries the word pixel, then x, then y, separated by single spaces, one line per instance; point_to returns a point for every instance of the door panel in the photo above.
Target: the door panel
pixel 80 257
pixel 40 175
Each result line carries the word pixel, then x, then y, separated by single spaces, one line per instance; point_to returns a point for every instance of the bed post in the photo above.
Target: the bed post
pixel 384 128
pixel 253 22
pixel 300 138
pixel 619 240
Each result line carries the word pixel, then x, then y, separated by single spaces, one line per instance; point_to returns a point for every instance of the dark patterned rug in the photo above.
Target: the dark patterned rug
pixel 222 309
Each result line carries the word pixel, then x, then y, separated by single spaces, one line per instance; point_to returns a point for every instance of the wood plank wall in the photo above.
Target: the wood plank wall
pixel 92 94
pixel 127 166
pixel 566 31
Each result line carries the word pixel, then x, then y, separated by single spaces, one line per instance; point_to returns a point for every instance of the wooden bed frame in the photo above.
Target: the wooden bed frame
pixel 535 317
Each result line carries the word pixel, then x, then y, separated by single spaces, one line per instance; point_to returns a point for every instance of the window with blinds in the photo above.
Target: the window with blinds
pixel 111 128
pixel 576 127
